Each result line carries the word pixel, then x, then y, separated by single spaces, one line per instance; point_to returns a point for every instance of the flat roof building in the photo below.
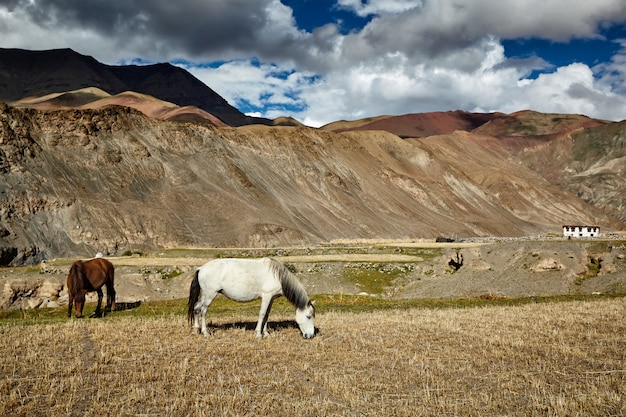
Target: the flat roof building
pixel 581 231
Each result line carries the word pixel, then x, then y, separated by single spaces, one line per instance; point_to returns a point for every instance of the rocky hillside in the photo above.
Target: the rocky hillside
pixel 584 156
pixel 112 180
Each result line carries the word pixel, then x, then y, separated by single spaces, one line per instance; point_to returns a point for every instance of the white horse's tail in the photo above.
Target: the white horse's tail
pixel 194 295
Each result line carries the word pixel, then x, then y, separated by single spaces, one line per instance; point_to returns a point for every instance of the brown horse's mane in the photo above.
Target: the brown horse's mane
pixel 77 276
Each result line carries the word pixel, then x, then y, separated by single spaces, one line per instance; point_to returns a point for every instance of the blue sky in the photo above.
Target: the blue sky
pixel 326 60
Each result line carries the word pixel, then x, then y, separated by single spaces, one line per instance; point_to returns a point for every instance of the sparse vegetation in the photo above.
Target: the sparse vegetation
pixel 132 253
pixel 162 272
pixel 375 278
pixel 593 267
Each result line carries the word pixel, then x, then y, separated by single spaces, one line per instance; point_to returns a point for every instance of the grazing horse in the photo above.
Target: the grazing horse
pixel 90 276
pixel 247 280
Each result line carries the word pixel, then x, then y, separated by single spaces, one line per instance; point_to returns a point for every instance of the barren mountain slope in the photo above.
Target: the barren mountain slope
pixel 575 153
pixel 590 163
pixel 111 180
pixel 62 100
pixel 584 156
pixel 94 98
pixel 517 192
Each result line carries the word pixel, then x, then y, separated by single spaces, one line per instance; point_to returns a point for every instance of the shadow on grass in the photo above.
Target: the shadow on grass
pixel 273 326
pixel 127 306
pixel 118 307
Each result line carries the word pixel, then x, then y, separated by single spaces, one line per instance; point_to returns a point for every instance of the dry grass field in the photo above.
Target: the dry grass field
pixel 535 359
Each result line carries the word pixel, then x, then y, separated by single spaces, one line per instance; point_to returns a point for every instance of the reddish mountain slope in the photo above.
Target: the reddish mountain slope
pixel 417 125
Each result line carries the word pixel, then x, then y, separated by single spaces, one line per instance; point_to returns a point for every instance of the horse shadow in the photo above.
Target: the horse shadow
pixel 274 326
pixel 251 325
pixel 127 306
pixel 118 307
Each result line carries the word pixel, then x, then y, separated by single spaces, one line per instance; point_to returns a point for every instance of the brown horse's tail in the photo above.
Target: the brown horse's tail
pixel 194 295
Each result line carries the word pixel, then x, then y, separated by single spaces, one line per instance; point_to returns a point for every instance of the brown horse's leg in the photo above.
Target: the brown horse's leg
pixel 110 298
pixel 98 312
pixel 70 303
pixel 79 303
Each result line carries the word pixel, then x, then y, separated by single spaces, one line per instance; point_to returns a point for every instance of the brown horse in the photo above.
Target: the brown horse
pixel 90 276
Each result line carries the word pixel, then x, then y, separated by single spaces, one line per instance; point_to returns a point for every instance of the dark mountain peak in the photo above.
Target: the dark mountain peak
pixel 25 73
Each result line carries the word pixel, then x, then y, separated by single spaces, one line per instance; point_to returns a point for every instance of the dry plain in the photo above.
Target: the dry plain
pixel 559 350
pixel 549 358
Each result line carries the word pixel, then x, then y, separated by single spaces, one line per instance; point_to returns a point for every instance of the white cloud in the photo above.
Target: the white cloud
pixel 412 56
pixel 376 7
pixel 375 89
pixel 612 74
pixel 245 83
pixel 570 89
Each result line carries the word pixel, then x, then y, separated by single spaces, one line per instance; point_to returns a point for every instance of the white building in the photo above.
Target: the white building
pixel 581 231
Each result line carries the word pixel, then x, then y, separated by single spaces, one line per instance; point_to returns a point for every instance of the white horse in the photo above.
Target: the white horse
pixel 247 280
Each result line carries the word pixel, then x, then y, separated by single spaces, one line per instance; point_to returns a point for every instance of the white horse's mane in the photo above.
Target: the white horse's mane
pixel 292 288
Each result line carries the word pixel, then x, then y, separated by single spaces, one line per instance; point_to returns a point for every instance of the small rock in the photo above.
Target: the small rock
pixel 548 264
pixel 34 302
pixel 49 289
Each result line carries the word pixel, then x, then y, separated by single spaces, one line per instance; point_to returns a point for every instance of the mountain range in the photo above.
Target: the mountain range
pixel 97 158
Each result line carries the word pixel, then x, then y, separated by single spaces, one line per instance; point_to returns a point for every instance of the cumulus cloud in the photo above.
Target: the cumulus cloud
pixel 161 29
pixel 570 89
pixel 376 7
pixel 225 29
pixel 612 74
pixel 410 55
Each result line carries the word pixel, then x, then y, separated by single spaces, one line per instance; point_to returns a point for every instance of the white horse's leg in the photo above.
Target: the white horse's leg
pixel 196 318
pixel 201 308
pixel 264 313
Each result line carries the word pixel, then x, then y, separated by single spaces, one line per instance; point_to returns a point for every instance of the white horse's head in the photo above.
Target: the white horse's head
pixel 305 317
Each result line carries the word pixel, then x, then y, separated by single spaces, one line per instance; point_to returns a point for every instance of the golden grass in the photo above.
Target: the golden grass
pixel 554 359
